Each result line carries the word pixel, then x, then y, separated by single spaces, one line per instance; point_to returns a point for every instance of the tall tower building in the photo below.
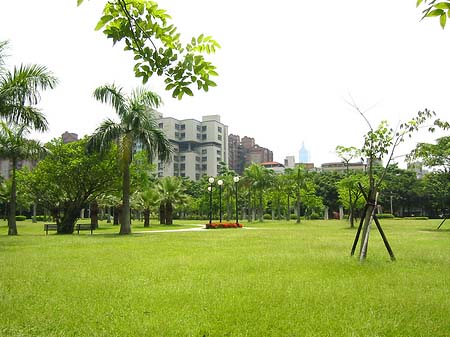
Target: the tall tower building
pixel 304 155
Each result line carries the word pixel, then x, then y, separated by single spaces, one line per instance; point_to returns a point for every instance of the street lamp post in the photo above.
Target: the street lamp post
pixel 220 183
pixel 211 181
pixel 236 180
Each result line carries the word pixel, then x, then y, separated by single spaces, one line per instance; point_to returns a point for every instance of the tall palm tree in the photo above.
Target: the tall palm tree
pixel 137 123
pixel 15 146
pixel 20 90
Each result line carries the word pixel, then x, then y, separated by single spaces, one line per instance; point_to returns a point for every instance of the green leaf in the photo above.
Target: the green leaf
pixel 79 2
pixel 103 21
pixel 418 3
pixel 436 12
pixel 188 91
pixel 443 20
pixel 442 5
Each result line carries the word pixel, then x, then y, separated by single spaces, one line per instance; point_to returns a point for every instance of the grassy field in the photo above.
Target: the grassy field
pixel 268 279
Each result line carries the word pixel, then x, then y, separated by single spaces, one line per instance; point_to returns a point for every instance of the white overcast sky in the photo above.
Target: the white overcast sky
pixel 286 67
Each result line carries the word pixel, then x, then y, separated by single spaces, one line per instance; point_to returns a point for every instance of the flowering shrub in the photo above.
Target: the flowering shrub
pixel 215 225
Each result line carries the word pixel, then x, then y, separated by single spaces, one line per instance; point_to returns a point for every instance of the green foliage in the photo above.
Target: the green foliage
pixel 433 155
pixel 68 178
pixel 433 8
pixel 21 217
pixel 267 216
pixel 147 32
pixel 385 216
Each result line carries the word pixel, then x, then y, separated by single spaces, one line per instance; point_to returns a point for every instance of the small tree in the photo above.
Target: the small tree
pixel 15 146
pixel 378 143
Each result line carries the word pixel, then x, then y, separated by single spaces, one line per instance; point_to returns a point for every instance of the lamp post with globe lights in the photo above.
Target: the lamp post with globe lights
pixel 210 187
pixel 236 180
pixel 220 183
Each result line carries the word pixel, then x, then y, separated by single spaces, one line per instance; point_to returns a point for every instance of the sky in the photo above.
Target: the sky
pixel 287 69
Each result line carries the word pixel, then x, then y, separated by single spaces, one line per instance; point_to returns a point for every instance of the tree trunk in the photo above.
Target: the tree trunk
pixel 169 213
pixel 299 205
pixel 146 217
pixel 288 215
pixel 261 208
pixel 12 227
pixel 162 214
pixel 94 213
pixel 70 217
pixel 125 222
pixel 117 214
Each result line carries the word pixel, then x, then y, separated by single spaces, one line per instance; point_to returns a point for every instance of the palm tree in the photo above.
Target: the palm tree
pixel 171 192
pixel 15 147
pixel 146 201
pixel 20 90
pixel 137 124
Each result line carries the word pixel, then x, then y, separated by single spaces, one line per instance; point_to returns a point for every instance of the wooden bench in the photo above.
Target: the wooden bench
pixel 84 227
pixel 50 227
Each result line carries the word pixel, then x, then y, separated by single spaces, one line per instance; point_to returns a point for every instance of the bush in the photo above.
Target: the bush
pixel 385 216
pixel 21 217
pixel 267 217
pixel 315 216
pixel 416 218
pixel 294 216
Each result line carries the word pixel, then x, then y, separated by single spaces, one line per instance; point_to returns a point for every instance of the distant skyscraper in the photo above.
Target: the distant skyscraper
pixel 303 154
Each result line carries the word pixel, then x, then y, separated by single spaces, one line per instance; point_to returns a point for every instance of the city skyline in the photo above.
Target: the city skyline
pixel 281 77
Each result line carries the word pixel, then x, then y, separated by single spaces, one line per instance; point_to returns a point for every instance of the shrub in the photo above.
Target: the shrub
pixel 385 216
pixel 416 218
pixel 267 217
pixel 21 217
pixel 315 216
pixel 293 216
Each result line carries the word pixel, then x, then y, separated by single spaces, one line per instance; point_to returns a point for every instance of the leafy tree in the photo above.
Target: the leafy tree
pixel 137 124
pixel 347 154
pixel 147 32
pixel 146 201
pixel 15 146
pixel 326 187
pixel 433 155
pixel 350 194
pixel 68 179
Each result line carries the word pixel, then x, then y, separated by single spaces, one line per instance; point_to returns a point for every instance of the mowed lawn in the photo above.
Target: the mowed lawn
pixel 268 279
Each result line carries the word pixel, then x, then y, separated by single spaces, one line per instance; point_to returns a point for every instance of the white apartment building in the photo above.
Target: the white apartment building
pixel 199 147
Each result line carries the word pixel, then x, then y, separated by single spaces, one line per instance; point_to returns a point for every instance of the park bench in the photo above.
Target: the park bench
pixel 84 227
pixel 50 227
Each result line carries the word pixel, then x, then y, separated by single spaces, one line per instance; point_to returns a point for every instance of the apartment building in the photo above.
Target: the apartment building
pixel 199 146
pixel 243 152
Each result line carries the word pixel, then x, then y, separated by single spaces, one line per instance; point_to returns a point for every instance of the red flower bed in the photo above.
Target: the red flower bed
pixel 215 225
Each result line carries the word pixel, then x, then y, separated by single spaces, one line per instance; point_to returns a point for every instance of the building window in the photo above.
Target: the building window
pixel 203 137
pixel 177 134
pixel 219 128
pixel 204 167
pixel 204 151
pixel 182 135
pixel 219 152
pixel 177 126
pixel 176 158
pixel 204 128
pixel 175 167
pixel 199 128
pixel 197 167
pixel 197 176
pixel 199 136
pixel 197 158
pixel 161 125
pixel 204 158
pixel 219 137
pixel 182 158
pixel 182 167
pixel 182 126
pixel 183 174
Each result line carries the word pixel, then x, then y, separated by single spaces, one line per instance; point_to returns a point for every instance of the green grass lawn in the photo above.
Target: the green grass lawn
pixel 269 279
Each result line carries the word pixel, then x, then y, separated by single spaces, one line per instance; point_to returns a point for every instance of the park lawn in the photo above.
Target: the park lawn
pixel 268 279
